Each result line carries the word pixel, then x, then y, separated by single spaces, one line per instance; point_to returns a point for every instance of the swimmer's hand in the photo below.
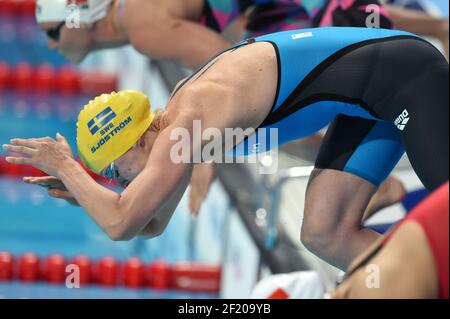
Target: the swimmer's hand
pixel 46 154
pixel 201 180
pixel 55 188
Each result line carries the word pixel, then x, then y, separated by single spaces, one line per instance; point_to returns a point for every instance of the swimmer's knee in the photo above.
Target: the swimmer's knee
pixel 316 237
pixel 310 240
pixel 327 245
pixel 325 237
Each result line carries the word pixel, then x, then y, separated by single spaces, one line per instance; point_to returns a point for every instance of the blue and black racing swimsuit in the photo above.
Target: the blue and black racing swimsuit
pixel 382 91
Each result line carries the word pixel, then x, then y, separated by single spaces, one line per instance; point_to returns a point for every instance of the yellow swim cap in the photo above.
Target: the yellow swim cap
pixel 111 125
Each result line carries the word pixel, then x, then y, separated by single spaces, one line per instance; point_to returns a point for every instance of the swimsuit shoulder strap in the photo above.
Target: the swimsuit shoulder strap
pixel 233 48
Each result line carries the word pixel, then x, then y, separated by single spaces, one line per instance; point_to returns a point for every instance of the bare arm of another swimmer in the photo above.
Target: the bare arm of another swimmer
pixel 420 23
pixel 404 268
pixel 179 39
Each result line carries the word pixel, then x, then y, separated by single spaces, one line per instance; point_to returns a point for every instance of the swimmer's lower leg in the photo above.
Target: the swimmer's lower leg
pixel 389 193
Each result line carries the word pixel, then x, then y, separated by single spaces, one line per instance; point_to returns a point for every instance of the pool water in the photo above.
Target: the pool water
pixel 31 221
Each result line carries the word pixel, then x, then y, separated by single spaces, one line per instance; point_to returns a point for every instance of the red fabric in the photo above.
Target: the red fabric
pixel 433 216
pixel 279 294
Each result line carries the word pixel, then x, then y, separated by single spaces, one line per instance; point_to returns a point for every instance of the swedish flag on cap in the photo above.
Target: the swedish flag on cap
pixel 110 125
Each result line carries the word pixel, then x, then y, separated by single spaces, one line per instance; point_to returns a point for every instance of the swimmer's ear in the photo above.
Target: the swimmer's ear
pixel 159 122
pixel 142 141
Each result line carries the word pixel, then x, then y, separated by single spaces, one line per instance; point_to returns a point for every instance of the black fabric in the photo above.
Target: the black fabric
pixel 353 16
pixel 359 74
pixel 210 19
pixel 268 14
pixel 319 16
pixel 423 92
pixel 344 136
pixel 425 136
pixel 405 77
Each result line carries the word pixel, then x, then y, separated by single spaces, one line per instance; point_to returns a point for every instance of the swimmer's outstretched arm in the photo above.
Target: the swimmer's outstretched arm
pixel 57 189
pixel 151 192
pixel 157 189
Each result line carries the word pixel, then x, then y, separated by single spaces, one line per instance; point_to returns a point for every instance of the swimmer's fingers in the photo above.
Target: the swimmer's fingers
pixel 57 193
pixel 63 140
pixel 41 179
pixel 21 146
pixel 200 183
pixel 31 143
pixel 49 156
pixel 45 181
pixel 19 149
pixel 194 203
pixel 61 194
pixel 27 146
pixel 19 160
pixel 196 197
pixel 43 139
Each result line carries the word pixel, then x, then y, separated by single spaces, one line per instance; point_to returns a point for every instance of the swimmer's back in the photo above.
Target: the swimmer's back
pixel 245 75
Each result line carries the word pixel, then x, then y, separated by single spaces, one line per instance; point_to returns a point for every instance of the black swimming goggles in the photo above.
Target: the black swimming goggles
pixel 55 33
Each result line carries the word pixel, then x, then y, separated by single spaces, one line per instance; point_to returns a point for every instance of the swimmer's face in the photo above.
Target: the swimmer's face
pixel 73 43
pixel 133 162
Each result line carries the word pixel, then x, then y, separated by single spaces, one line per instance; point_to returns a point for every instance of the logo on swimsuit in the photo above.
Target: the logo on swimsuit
pixel 102 119
pixel 302 35
pixel 402 120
